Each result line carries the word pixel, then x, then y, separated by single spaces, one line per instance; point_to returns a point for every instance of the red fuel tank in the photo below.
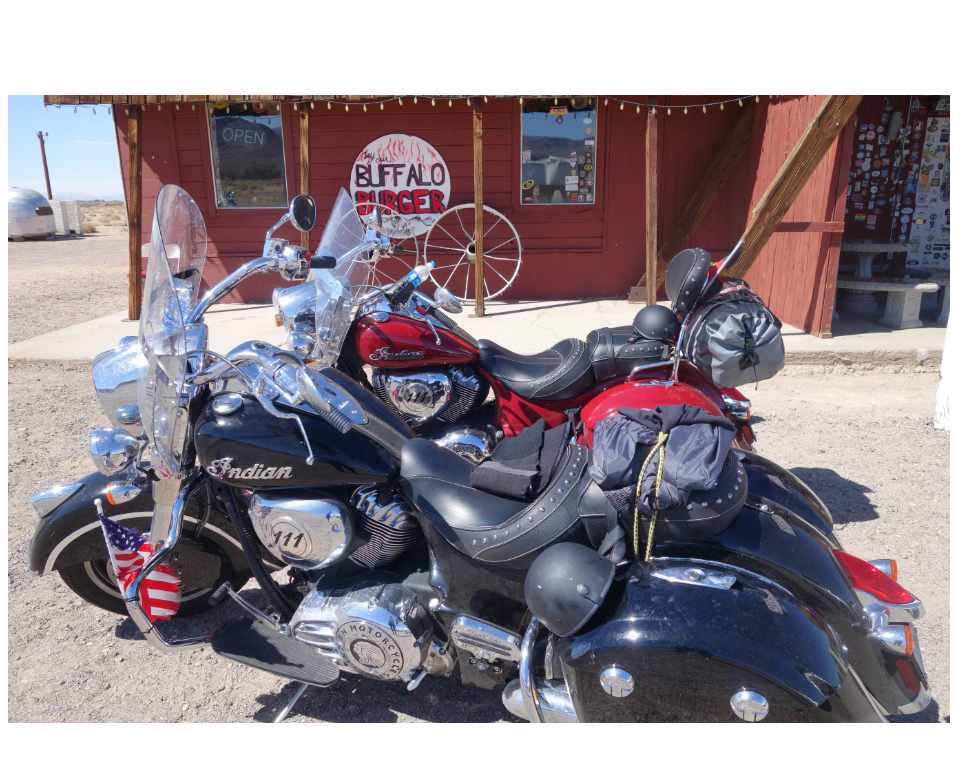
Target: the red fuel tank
pixel 647 394
pixel 402 342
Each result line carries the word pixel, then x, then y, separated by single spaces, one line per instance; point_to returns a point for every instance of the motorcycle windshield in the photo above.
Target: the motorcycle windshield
pixel 337 289
pixel 177 253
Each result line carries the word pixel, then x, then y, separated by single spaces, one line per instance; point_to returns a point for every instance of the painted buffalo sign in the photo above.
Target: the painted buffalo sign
pixel 405 174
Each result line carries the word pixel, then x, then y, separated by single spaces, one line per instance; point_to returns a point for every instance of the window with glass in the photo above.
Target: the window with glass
pixel 248 163
pixel 558 150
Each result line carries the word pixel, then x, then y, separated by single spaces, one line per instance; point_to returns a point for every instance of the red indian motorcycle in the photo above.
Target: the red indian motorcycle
pixel 438 377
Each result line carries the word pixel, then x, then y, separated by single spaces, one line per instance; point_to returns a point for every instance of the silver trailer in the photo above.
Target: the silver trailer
pixel 29 214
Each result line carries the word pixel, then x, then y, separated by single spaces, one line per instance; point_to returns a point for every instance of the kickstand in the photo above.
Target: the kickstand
pixel 291 702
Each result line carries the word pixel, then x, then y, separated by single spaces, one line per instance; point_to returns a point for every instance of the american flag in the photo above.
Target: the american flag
pixel 160 591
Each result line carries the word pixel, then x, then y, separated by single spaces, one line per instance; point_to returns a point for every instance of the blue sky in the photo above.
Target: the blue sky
pixel 81 149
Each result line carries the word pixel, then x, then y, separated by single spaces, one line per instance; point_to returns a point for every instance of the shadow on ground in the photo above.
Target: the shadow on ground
pixel 847 500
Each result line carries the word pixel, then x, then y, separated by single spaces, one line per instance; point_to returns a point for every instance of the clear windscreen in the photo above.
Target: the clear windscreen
pixel 337 289
pixel 178 249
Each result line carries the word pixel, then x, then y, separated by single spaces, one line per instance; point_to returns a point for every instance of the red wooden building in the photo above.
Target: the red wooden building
pixel 713 166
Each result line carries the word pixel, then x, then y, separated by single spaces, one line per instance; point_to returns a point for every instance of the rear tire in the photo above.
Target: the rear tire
pixel 93 581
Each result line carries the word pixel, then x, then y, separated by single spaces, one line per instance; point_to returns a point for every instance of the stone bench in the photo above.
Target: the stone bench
pixel 902 308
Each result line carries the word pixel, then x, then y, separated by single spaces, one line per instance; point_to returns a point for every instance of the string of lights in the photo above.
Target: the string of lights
pixel 379 104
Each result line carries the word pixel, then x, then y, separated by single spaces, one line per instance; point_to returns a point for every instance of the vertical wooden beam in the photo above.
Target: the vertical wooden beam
pixel 832 116
pixel 479 292
pixel 650 204
pixel 304 162
pixel 134 210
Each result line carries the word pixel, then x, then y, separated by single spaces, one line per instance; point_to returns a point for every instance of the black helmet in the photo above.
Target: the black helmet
pixel 565 586
pixel 656 323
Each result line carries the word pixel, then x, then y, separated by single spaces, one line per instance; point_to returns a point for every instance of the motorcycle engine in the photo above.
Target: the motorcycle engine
pixel 380 631
pixel 436 394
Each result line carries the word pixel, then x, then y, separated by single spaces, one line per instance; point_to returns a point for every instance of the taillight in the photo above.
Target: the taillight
pixel 872 580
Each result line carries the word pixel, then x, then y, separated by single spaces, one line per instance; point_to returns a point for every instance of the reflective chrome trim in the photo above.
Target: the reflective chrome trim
pixel 555 701
pixel 47 500
pixel 67 541
pixel 917 705
pixel 528 687
pixel 113 450
pixel 616 682
pixel 726 567
pixel 695 575
pixel 749 706
pixel 485 641
pixel 131 594
pixel 896 638
pixel 739 409
pixel 903 613
pixel 886 566
pixel 472 444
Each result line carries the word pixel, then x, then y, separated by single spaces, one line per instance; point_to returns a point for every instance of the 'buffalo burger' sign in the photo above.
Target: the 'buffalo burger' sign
pixel 405 174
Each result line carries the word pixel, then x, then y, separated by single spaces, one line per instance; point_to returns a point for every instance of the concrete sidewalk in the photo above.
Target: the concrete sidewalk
pixel 526 326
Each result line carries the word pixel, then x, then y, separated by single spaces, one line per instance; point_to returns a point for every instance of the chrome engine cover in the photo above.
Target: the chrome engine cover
pixel 306 533
pixel 380 631
pixel 443 394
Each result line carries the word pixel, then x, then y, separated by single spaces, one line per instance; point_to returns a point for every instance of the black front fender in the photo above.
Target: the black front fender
pixel 71 534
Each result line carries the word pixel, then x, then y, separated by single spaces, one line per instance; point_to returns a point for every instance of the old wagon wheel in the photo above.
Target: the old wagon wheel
pixel 393 262
pixel 451 244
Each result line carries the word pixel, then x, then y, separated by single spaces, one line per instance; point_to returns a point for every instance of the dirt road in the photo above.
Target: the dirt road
pixel 865 442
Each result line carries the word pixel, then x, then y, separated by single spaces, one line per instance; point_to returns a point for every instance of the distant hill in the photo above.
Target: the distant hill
pixel 87 197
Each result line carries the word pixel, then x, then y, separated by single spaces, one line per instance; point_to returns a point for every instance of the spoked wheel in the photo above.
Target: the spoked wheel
pixel 450 242
pixel 393 262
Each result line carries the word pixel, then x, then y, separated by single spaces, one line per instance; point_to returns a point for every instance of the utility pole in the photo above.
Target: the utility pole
pixel 43 155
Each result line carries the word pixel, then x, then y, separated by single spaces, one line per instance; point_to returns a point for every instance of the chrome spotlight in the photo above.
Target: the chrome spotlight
pixel 113 450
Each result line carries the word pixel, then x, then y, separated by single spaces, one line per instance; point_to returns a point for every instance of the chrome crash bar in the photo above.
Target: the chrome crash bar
pixel 131 595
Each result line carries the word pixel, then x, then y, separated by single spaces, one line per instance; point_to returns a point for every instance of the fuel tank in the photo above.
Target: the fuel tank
pixel 402 342
pixel 250 448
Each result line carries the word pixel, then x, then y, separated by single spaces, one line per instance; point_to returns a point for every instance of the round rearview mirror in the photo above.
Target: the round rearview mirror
pixel 303 212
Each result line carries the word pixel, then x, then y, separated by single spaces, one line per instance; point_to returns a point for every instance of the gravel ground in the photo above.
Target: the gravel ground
pixel 863 441
pixel 53 287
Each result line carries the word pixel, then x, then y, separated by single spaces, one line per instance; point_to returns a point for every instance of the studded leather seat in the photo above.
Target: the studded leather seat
pixel 570 367
pixel 494 529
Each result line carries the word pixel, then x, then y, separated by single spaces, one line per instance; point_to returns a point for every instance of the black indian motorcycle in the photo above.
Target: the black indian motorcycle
pixel 400 567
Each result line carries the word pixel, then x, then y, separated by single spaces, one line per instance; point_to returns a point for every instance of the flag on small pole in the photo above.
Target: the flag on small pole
pixel 159 593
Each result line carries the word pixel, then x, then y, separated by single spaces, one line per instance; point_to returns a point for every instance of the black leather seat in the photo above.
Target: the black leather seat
pixel 493 529
pixel 570 367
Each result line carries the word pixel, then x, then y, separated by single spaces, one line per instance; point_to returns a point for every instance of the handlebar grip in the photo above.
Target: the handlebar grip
pixel 322 262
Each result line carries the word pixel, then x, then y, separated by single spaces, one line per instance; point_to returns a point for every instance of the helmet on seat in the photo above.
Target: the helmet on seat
pixel 656 323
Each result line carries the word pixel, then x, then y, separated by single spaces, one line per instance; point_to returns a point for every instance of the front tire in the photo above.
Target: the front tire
pixel 94 582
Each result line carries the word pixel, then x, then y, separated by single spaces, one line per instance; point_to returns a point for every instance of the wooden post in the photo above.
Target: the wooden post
pixel 651 151
pixel 134 210
pixel 43 156
pixel 833 115
pixel 479 309
pixel 304 164
pixel 716 175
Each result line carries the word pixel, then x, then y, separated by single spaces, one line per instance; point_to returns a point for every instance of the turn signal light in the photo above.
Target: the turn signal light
pixel 870 579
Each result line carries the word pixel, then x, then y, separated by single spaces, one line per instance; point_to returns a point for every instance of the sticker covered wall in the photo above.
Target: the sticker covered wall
pixel 929 244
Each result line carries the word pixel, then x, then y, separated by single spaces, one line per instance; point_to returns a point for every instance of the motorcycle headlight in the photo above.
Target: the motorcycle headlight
pixel 115 376
pixel 113 450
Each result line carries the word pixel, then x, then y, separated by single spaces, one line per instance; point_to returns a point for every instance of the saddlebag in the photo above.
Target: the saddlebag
pixel 698 491
pixel 734 338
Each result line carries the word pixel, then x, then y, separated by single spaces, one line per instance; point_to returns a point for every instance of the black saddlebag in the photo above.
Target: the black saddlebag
pixel 697 493
pixel 734 338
